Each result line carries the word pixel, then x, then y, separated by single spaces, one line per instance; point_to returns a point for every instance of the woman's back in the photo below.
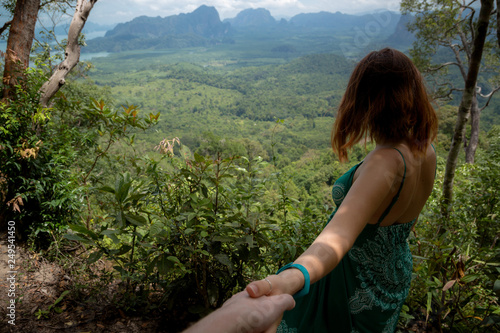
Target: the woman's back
pixel 418 172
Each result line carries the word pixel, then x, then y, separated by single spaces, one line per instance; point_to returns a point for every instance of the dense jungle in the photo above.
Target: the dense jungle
pixel 162 178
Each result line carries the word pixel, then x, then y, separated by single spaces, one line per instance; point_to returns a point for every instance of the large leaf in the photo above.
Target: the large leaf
pixel 112 234
pixel 75 238
pixel 94 256
pixel 83 230
pixel 156 228
pixel 122 187
pixel 496 288
pixel 225 260
pixel 107 189
pixel 124 249
pixel 135 219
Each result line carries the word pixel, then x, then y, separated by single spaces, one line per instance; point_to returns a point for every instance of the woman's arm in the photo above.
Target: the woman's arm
pixel 379 177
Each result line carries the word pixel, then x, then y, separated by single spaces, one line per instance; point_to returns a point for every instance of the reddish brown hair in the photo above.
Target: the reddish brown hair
pixel 386 100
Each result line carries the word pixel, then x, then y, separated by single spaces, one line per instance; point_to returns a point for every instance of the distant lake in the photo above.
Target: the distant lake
pixel 90 56
pixel 83 56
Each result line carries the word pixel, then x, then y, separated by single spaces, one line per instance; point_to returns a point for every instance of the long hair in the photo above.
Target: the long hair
pixel 385 99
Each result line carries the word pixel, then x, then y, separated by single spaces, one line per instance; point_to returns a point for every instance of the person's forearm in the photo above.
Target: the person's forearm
pixel 319 259
pixel 216 322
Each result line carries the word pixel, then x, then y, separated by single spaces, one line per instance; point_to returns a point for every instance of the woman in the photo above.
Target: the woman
pixel 359 267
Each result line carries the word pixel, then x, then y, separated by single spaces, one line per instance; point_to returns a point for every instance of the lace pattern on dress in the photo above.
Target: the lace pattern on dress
pixel 283 328
pixel 382 271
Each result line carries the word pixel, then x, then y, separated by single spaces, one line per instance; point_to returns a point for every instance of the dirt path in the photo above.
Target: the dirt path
pixel 34 284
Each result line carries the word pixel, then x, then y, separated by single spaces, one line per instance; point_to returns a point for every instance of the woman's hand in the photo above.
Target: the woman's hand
pixel 289 281
pixel 286 283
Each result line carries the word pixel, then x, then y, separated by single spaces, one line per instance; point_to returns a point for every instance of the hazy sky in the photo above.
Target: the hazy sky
pixel 115 11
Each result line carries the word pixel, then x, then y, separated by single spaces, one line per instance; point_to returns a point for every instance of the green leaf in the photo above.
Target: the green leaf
pixel 429 303
pixel 156 228
pixel 223 239
pixel 469 278
pixel 64 293
pixel 124 249
pixel 137 220
pixel 163 264
pixel 75 238
pixel 191 216
pixel 186 153
pixel 224 259
pixel 122 187
pixel 174 259
pixel 496 288
pixel 419 257
pixel 94 256
pixel 107 189
pixel 83 230
pixel 119 219
pixel 198 158
pixel 112 235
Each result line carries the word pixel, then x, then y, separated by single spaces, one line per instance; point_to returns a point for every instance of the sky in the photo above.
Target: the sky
pixel 117 11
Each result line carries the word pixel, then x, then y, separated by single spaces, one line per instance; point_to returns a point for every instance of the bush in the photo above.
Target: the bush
pixel 48 155
pixel 197 228
pixel 457 260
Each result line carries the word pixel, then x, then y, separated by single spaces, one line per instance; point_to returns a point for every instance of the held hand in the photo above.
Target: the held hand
pixel 261 314
pixel 289 282
pixel 242 313
pixel 272 285
pixel 286 283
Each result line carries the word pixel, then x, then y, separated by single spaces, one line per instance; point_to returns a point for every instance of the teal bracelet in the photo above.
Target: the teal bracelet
pixel 307 280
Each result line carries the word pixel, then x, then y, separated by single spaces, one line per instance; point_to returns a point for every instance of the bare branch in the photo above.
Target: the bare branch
pixel 448 94
pixel 489 96
pixel 471 23
pixel 72 53
pixel 57 2
pixel 434 69
pixel 459 61
pixel 5 26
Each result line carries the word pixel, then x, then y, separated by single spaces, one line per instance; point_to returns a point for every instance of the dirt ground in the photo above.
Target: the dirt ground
pixel 35 284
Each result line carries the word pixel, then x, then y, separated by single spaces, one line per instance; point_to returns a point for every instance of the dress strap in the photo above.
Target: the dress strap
pixel 396 197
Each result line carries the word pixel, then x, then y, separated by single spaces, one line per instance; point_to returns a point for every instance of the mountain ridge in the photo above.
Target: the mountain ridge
pixel 203 27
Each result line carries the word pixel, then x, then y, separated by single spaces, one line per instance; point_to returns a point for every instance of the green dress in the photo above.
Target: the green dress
pixel 366 291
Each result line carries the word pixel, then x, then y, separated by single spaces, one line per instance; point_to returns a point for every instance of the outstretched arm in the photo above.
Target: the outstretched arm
pixel 241 313
pixel 377 179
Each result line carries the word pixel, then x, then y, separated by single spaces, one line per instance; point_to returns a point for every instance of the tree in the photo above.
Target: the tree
pixel 447 29
pixel 20 40
pixel 17 55
pixel 24 126
pixel 456 26
pixel 72 54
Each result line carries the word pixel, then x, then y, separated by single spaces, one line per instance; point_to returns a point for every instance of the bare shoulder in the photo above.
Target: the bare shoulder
pixel 383 158
pixel 381 162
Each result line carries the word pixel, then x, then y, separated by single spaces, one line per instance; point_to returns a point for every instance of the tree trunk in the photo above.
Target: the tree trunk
pixel 22 32
pixel 475 114
pixel 466 102
pixel 498 22
pixel 71 54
